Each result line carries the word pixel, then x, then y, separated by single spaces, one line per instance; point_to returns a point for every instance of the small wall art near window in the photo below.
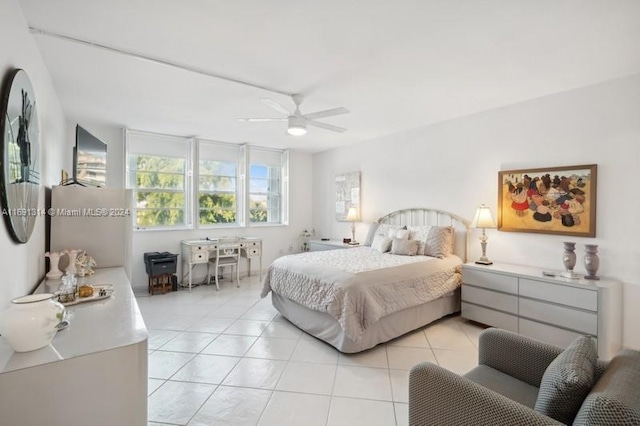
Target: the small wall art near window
pixel 556 200
pixel 19 154
pixel 347 194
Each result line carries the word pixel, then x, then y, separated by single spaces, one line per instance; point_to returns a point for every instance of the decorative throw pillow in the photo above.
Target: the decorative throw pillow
pixel 567 381
pixel 381 243
pixel 439 241
pixel 383 229
pixel 404 247
pixel 401 233
pixel 373 229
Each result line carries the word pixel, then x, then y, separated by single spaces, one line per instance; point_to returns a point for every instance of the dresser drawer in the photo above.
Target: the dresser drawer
pixel 580 321
pixel 491 299
pixel 546 333
pixel 200 257
pixel 253 251
pixel 250 244
pixel 490 317
pixel 564 295
pixel 490 280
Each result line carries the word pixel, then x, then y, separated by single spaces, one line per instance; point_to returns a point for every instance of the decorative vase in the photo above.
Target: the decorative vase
pixel 31 321
pixel 591 261
pixel 569 260
pixel 54 260
pixel 71 267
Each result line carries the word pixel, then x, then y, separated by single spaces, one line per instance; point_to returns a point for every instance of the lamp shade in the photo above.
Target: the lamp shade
pixel 483 218
pixel 352 215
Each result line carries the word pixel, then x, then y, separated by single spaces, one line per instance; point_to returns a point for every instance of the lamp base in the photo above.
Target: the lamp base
pixel 484 262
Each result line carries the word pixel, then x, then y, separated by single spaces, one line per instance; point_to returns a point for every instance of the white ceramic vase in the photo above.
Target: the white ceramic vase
pixel 54 260
pixel 71 267
pixel 31 321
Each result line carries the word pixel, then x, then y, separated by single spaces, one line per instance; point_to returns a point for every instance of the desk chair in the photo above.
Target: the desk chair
pixel 226 253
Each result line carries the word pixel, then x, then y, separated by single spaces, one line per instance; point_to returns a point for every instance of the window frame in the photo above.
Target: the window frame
pixel 191 189
pixel 188 167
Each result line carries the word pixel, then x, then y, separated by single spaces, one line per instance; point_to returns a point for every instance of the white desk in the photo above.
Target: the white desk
pixel 94 372
pixel 195 252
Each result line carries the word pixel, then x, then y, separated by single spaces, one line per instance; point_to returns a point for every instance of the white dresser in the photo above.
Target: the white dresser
pixel 548 308
pixel 94 372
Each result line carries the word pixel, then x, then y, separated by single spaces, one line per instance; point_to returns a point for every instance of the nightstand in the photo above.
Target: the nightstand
pixel 548 308
pixel 320 245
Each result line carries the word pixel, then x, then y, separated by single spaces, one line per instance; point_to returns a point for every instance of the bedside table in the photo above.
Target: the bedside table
pixel 320 245
pixel 548 308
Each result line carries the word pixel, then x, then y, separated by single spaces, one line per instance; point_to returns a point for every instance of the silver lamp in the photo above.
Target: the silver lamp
pixel 483 220
pixel 353 217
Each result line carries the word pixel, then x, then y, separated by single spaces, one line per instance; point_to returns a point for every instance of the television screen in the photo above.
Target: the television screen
pixel 90 165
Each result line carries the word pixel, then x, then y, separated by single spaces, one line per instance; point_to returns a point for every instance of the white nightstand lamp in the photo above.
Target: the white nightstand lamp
pixel 353 217
pixel 483 220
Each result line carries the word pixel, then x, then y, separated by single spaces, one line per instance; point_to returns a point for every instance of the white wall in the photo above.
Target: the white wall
pixel 453 166
pixel 22 265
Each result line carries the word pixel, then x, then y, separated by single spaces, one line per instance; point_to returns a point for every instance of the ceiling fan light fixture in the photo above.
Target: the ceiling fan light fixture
pixel 297 126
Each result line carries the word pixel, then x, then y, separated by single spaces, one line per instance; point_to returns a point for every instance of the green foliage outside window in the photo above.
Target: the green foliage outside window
pixel 160 197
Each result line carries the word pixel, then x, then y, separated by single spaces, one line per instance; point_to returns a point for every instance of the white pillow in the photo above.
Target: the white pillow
pixel 371 234
pixel 404 247
pixel 381 243
pixel 436 241
pixel 402 234
pixel 439 242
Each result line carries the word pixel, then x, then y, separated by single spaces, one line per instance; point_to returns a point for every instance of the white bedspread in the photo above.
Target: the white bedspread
pixel 359 286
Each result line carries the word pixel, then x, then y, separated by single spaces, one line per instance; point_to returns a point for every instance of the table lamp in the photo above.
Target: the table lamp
pixel 483 220
pixel 353 216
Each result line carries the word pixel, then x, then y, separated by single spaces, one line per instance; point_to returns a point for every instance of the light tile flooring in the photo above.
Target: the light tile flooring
pixel 229 358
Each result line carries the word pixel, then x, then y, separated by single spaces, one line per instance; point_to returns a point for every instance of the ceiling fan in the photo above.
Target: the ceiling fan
pixel 297 122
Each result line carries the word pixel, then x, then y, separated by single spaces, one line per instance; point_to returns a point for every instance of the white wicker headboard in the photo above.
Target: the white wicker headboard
pixel 434 217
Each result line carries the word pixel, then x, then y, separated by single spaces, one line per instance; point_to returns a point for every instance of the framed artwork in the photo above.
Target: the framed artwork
pixel 347 194
pixel 552 200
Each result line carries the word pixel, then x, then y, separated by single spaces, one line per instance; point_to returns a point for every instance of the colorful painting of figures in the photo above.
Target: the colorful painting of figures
pixel 558 200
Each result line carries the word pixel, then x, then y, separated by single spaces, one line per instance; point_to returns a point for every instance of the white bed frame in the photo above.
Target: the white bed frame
pixel 325 327
pixel 434 217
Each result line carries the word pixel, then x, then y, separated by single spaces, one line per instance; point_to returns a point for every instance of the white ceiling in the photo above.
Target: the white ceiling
pixel 395 64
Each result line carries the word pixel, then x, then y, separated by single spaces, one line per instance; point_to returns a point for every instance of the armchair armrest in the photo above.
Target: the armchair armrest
pixel 521 357
pixel 440 397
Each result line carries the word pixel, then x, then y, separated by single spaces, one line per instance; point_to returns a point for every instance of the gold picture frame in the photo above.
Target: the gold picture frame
pixel 551 200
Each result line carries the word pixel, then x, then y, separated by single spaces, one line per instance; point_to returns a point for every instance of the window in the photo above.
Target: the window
pixel 268 186
pixel 220 187
pixel 157 171
pixel 180 183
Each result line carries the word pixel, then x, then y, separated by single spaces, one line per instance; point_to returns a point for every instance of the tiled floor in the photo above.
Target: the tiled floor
pixel 228 358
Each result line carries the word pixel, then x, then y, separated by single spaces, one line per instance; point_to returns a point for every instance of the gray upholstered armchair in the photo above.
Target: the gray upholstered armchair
pixel 504 388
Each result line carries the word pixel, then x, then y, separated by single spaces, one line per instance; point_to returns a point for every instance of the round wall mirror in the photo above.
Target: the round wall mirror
pixel 20 168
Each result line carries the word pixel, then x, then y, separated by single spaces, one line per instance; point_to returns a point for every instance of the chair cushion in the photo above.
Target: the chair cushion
pixel 568 380
pixel 615 398
pixel 504 384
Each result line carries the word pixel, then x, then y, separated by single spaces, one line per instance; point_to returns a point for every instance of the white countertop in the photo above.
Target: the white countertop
pixel 536 273
pixel 95 326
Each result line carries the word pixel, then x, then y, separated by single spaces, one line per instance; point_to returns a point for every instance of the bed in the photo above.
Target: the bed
pixel 356 298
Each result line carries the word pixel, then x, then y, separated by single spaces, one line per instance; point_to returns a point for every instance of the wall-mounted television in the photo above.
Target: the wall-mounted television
pixel 90 159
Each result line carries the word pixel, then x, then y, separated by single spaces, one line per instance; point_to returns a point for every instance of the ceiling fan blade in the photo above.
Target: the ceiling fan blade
pixel 273 104
pixel 262 119
pixel 326 113
pixel 326 126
